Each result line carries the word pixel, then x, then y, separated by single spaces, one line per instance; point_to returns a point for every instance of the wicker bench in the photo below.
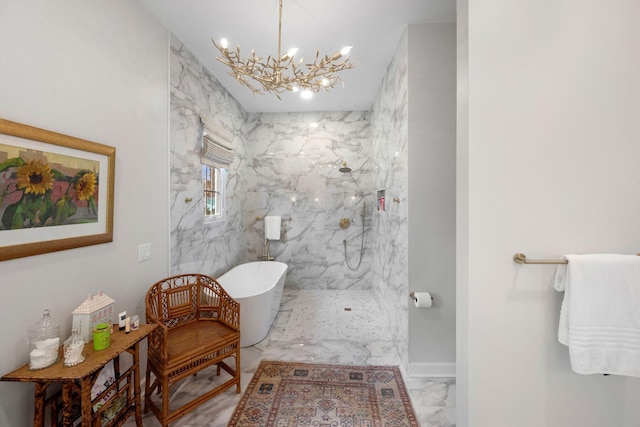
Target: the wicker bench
pixel 199 327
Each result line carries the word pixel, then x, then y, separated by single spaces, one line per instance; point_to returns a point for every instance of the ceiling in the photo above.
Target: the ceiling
pixel 373 27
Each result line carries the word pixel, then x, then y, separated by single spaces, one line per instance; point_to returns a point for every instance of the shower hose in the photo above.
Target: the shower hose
pixel 346 255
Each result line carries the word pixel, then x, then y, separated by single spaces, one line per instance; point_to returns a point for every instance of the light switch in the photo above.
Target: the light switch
pixel 144 252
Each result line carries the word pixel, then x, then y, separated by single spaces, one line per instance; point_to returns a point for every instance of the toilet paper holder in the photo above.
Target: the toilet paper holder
pixel 412 295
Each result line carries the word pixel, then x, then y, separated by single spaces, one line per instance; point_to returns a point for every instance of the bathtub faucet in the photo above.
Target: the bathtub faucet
pixel 266 251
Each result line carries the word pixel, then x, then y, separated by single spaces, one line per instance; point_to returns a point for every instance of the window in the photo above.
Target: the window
pixel 213 187
pixel 217 155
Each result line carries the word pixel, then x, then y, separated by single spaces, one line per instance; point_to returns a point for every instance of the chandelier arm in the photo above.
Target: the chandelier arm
pixel 246 83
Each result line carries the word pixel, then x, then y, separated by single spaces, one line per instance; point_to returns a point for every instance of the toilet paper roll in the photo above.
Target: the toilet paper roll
pixel 422 299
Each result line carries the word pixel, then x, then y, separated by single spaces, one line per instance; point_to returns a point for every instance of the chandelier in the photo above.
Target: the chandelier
pixel 281 73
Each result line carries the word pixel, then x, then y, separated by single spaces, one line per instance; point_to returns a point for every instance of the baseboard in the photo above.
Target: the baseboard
pixel 435 370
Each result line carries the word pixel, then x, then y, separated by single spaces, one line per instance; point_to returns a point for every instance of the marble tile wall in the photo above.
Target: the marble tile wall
pixel 389 136
pixel 287 165
pixel 196 246
pixel 293 172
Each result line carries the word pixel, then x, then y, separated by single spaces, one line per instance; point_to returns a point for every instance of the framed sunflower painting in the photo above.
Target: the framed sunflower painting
pixel 56 191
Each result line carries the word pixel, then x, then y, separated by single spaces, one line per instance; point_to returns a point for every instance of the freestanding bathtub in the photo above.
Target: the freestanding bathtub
pixel 258 287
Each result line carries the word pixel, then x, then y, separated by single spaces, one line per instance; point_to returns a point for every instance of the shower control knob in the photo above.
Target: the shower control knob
pixel 345 223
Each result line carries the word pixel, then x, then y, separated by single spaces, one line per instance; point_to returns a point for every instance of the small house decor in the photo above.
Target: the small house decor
pixel 94 310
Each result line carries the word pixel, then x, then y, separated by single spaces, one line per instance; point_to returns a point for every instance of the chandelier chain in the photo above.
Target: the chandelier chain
pixel 280 29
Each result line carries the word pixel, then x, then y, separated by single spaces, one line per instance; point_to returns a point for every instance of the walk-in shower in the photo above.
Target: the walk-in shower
pixel 344 242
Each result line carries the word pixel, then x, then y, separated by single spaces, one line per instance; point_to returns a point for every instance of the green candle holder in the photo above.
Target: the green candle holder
pixel 101 336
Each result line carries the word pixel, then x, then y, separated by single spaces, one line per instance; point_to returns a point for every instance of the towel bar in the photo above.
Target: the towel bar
pixel 520 258
pixel 260 218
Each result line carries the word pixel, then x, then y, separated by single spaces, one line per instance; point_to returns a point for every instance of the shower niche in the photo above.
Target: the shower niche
pixel 381 200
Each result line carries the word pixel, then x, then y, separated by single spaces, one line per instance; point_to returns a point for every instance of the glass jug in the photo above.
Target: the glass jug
pixel 44 342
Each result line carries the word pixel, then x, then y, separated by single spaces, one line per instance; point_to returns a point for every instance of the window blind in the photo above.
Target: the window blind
pixel 215 153
pixel 217 145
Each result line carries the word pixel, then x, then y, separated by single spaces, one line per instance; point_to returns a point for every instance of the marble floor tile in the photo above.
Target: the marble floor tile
pixel 347 314
pixel 313 326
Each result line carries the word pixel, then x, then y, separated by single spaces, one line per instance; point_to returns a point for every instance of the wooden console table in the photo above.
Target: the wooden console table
pixel 77 381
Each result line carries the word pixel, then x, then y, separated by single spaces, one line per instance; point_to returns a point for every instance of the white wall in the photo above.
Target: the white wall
pixel 97 71
pixel 552 151
pixel 431 195
pixel 462 215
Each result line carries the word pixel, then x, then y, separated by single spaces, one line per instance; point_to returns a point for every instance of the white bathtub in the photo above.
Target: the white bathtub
pixel 258 287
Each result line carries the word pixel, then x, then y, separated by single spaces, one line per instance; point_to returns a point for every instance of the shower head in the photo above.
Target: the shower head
pixel 344 168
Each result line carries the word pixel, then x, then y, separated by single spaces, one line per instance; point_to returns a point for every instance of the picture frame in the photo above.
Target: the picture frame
pixel 56 191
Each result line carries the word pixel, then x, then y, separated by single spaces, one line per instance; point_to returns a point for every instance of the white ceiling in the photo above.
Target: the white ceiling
pixel 372 27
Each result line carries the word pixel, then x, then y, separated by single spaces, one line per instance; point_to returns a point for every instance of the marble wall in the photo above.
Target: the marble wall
pixel 214 247
pixel 287 165
pixel 389 136
pixel 292 171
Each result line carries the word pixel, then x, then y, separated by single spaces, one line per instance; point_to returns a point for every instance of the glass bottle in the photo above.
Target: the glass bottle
pixel 44 342
pixel 73 349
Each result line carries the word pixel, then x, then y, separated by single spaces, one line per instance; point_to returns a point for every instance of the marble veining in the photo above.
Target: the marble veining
pixel 293 172
pixel 196 94
pixel 286 164
pixel 295 337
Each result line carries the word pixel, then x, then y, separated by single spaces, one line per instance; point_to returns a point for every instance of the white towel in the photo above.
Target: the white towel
pixel 272 227
pixel 600 315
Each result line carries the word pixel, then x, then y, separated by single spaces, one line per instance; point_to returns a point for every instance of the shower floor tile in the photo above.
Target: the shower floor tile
pixel 352 315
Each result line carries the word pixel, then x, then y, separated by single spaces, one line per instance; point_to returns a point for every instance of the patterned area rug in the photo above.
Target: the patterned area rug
pixel 289 394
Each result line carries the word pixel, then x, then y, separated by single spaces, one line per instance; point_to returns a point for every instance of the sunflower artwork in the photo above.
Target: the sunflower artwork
pixel 40 189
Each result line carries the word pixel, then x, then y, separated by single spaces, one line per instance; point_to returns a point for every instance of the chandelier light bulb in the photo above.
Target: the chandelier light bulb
pixel 345 50
pixel 280 73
